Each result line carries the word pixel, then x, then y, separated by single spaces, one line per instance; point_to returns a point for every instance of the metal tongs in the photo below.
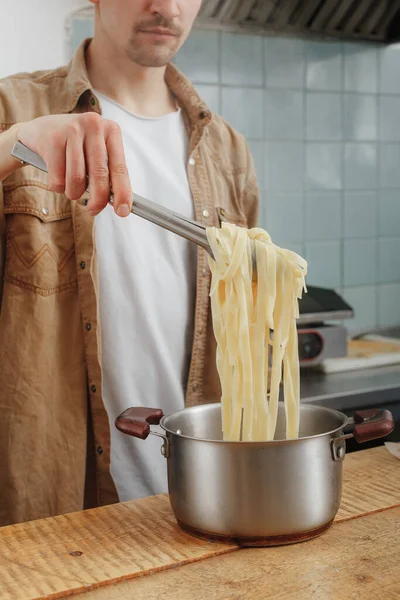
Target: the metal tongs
pixel 151 211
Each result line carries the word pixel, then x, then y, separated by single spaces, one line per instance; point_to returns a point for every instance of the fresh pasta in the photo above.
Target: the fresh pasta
pixel 255 322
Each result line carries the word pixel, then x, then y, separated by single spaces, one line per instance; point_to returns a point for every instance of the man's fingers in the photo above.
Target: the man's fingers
pixel 75 179
pixel 55 161
pixel 98 173
pixel 119 175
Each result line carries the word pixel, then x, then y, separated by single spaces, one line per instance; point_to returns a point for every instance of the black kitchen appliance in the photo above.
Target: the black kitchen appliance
pixel 321 333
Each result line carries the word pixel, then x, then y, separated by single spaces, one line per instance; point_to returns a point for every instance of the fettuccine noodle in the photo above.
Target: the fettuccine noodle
pixel 251 320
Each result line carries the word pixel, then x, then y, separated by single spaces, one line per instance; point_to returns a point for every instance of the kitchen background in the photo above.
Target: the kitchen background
pixel 322 119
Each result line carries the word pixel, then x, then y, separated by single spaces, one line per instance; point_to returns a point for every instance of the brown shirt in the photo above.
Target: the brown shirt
pixel 54 430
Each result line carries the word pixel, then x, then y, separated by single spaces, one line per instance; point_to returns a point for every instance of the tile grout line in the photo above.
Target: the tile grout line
pixel 342 191
pixel 378 194
pixel 262 184
pixel 305 151
pixel 265 173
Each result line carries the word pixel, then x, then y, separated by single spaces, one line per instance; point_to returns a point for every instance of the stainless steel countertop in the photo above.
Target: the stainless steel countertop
pixel 351 389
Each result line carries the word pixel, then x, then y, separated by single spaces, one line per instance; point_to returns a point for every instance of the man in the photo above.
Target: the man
pixel 100 309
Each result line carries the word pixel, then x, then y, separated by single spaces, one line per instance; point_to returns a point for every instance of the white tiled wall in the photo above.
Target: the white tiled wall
pixel 323 122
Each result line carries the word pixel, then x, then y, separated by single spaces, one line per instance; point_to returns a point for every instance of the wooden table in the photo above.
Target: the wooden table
pixel 135 550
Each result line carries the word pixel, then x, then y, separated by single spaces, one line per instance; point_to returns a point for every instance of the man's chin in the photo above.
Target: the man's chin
pixel 153 57
pixel 154 62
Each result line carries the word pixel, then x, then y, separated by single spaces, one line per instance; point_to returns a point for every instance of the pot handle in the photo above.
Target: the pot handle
pixel 136 421
pixel 372 424
pixel 367 425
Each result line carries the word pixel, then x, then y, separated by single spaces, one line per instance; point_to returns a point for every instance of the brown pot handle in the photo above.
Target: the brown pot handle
pixel 372 424
pixel 136 421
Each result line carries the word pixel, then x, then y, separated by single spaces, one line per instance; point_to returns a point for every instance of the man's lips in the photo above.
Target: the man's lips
pixel 159 31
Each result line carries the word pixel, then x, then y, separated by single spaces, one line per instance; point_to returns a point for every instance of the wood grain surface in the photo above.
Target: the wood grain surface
pixel 57 557
pixel 358 558
pixel 69 554
pixel 371 483
pixel 360 348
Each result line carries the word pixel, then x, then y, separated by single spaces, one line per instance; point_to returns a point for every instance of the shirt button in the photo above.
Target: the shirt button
pixel 194 387
pixel 88 326
pixel 45 211
pixel 201 330
pixel 85 202
pixel 206 214
pixel 204 272
pixel 100 450
pixel 93 101
pixel 93 389
pixel 192 162
pixel 83 265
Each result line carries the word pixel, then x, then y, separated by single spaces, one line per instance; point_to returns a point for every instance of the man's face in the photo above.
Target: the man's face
pixel 150 32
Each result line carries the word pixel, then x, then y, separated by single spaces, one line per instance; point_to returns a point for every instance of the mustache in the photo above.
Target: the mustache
pixel 160 21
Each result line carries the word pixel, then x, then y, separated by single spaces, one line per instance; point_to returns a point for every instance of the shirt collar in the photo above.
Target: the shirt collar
pixel 78 92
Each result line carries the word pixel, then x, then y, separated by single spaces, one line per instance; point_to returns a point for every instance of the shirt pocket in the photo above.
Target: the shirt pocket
pixel 40 250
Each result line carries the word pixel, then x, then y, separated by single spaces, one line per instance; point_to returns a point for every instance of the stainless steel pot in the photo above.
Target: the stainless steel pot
pixel 255 493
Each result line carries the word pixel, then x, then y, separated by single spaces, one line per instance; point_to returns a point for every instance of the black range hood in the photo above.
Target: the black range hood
pixel 372 20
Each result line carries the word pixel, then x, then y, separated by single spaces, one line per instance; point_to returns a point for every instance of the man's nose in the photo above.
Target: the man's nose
pixel 169 9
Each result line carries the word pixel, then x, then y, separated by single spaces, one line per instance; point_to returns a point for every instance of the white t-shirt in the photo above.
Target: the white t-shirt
pixel 147 294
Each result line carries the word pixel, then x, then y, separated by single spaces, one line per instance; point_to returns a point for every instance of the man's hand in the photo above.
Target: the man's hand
pixel 76 146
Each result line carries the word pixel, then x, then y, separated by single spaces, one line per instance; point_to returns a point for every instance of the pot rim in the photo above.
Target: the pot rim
pixel 310 407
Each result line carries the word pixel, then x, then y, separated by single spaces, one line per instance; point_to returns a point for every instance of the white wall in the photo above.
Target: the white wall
pixel 32 34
